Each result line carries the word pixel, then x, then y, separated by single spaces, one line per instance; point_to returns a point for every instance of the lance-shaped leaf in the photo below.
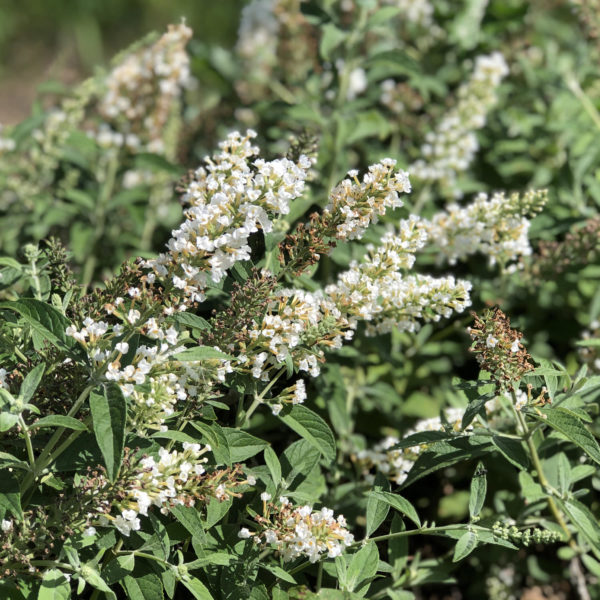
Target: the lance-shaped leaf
pixel 109 414
pixel 571 426
pixel 478 491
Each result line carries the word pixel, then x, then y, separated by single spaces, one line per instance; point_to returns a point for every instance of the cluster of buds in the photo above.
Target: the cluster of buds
pixel 527 536
pixel 296 326
pixel 451 147
pixel 498 349
pixel 496 227
pixel 142 90
pixel 234 196
pixel 299 531
pixel 176 478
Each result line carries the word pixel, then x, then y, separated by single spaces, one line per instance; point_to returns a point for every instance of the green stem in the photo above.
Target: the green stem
pixel 30 453
pixel 319 576
pixel 243 418
pixel 541 475
pixel 36 280
pixel 43 460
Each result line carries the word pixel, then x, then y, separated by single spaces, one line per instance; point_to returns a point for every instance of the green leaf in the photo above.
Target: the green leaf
pixel 201 353
pixel 31 383
pixel 331 38
pixel 583 519
pixel 377 509
pixel 10 496
pixel 60 421
pixel 54 586
pixel 191 320
pixel 190 518
pixel 312 428
pixel 444 454
pixel 118 568
pixel 143 587
pixel 512 450
pixel 278 572
pixel 565 422
pixel 109 414
pixel 531 490
pixel 362 568
pixel 91 575
pixel 242 445
pixel 217 440
pixel 399 503
pixel 273 464
pixel 198 589
pixel 397 547
pixel 478 491
pixel 43 318
pixel 464 546
pixel 8 460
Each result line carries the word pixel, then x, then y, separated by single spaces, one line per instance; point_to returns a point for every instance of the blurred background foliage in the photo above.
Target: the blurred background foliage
pixel 67 39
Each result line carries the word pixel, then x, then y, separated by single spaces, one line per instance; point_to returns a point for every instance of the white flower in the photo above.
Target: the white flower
pixel 6 525
pixel 265 496
pixel 244 533
pixel 491 341
pixel 90 531
pixel 122 347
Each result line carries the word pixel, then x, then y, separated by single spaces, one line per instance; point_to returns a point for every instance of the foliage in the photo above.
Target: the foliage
pixel 275 398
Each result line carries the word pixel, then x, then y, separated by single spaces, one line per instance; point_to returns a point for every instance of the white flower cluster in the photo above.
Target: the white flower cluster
pixel 354 205
pixel 377 292
pixel 295 394
pixel 296 326
pixel 300 531
pixel 233 197
pixel 494 227
pixel 258 35
pixel 142 90
pixel 299 325
pixel 451 148
pixel 152 378
pixel 172 480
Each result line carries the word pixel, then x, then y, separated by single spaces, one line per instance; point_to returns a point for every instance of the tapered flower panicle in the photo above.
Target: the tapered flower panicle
pixel 235 195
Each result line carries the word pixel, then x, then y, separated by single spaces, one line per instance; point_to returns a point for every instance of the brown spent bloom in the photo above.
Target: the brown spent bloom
pixel 498 349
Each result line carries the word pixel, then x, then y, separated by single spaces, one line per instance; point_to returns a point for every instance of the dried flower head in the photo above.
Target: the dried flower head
pixel 498 349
